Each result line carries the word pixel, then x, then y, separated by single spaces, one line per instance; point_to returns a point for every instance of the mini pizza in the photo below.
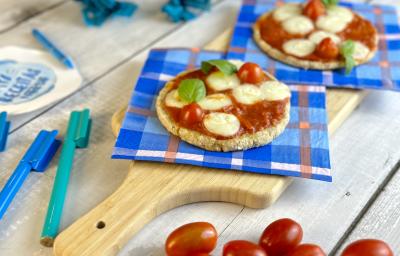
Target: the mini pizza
pixel 224 106
pixel 318 35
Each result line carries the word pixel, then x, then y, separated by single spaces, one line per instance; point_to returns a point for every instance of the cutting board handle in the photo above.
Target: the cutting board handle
pixel 149 190
pixel 107 228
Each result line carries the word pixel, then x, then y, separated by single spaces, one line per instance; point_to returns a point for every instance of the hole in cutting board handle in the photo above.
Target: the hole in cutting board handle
pixel 101 225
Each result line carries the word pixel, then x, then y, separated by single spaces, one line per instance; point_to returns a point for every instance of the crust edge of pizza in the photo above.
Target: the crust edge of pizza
pixel 291 60
pixel 243 142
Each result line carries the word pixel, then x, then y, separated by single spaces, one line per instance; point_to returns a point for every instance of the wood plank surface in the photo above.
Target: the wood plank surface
pixel 381 218
pixel 364 151
pixel 17 12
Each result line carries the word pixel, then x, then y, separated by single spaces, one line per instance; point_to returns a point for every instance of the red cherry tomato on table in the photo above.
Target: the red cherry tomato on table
pixel 191 114
pixel 314 9
pixel 327 49
pixel 368 247
pixel 198 238
pixel 242 248
pixel 281 237
pixel 251 73
pixel 307 250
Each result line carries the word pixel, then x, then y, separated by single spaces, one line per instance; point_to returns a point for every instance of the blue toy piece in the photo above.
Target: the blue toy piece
pixel 199 4
pixel 96 12
pixel 174 12
pixel 4 129
pixel 37 158
pixel 184 10
pixel 124 9
pixel 186 15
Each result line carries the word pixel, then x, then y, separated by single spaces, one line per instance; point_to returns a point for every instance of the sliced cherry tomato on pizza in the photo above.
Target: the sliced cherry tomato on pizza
pixel 281 237
pixel 327 49
pixel 198 238
pixel 191 114
pixel 368 247
pixel 251 73
pixel 314 9
pixel 307 250
pixel 242 248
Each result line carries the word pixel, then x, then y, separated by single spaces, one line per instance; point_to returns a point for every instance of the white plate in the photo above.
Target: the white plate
pixel 32 79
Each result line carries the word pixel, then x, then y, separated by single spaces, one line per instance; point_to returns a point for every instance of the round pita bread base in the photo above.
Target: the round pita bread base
pixel 297 62
pixel 245 141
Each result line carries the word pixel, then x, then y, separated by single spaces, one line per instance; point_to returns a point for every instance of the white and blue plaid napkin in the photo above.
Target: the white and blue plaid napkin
pixel 302 150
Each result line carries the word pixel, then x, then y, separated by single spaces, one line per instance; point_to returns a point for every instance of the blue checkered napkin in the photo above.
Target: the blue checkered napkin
pixel 301 151
pixel 382 72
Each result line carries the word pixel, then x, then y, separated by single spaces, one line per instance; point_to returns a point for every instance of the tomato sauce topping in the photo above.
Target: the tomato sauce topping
pixel 253 118
pixel 359 29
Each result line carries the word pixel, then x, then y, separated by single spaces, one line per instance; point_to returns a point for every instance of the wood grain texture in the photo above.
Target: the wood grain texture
pixel 381 219
pixel 151 189
pixel 15 12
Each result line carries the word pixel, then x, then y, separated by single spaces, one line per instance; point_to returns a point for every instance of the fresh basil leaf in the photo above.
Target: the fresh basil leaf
pixel 191 90
pixel 347 47
pixel 222 65
pixel 328 3
pixel 350 64
pixel 347 50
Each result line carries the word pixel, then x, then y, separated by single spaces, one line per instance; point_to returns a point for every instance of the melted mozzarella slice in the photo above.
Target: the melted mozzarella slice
pixel 331 23
pixel 298 25
pixel 215 101
pixel 286 11
pixel 220 82
pixel 274 90
pixel 247 94
pixel 320 35
pixel 221 123
pixel 343 13
pixel 172 100
pixel 299 47
pixel 361 51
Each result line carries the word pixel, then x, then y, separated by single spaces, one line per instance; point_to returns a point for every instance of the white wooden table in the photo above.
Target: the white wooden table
pixel 363 200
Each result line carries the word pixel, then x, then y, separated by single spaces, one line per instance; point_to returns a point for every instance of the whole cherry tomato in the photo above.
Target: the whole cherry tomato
pixel 367 247
pixel 314 9
pixel 327 49
pixel 251 73
pixel 281 237
pixel 307 250
pixel 191 113
pixel 197 238
pixel 242 248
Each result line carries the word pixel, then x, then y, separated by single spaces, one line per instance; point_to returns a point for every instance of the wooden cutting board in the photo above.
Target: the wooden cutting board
pixel 153 188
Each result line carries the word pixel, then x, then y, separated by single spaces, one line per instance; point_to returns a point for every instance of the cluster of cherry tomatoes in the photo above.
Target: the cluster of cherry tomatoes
pixel 280 238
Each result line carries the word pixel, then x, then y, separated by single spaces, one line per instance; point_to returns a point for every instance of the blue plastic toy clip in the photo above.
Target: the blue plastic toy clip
pixel 185 10
pixel 96 12
pixel 37 158
pixel 4 128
